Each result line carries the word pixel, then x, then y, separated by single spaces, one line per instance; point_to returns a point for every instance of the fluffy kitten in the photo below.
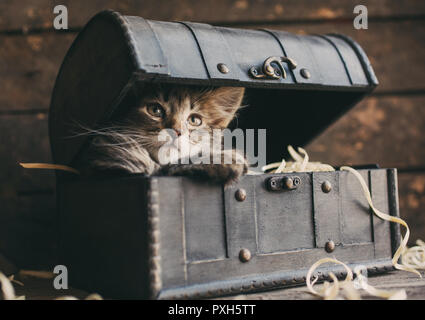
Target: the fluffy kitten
pixel 130 143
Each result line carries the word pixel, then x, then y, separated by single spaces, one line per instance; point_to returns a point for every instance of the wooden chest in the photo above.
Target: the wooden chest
pixel 170 237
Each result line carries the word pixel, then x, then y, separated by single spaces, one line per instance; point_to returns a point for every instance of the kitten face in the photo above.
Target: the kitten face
pixel 182 110
pixel 132 142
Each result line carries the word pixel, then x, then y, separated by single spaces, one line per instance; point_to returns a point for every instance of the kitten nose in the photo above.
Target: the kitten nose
pixel 178 132
pixel 177 126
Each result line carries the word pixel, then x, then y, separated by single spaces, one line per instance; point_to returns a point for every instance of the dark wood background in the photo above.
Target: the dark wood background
pixel 386 128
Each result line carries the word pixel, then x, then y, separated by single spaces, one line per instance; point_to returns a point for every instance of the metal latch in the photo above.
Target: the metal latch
pixel 282 183
pixel 273 68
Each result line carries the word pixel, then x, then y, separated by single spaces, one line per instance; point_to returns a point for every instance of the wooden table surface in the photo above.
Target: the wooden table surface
pixel 394 280
pixel 36 288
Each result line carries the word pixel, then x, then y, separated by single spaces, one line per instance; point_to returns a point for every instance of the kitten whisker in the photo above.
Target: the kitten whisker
pixel 131 142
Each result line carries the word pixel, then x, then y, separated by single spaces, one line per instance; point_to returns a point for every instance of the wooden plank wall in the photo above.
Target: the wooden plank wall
pixel 386 128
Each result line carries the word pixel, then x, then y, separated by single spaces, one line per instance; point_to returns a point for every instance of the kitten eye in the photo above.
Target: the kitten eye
pixel 156 110
pixel 195 120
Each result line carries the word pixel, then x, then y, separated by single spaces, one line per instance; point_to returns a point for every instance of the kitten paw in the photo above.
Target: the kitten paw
pixel 218 173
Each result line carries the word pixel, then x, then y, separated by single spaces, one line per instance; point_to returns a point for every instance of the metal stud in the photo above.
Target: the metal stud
pixel 288 183
pixel 222 68
pixel 305 73
pixel 240 195
pixel 296 181
pixel 330 246
pixel 273 184
pixel 244 255
pixel 253 71
pixel 326 187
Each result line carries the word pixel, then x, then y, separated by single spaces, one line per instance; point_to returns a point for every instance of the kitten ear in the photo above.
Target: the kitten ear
pixel 226 101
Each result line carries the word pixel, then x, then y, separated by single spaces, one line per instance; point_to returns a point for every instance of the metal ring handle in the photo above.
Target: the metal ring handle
pixel 269 71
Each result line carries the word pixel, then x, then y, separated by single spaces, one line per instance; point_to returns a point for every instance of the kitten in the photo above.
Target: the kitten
pixel 130 143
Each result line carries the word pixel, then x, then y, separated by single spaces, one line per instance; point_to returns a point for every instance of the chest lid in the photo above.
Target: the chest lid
pixel 296 84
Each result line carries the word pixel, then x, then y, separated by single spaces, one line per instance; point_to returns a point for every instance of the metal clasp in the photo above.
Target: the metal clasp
pixel 279 183
pixel 269 69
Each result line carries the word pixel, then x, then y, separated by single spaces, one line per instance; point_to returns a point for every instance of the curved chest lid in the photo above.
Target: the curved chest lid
pixel 296 85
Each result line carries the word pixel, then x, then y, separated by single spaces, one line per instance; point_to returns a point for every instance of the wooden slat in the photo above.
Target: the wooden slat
pixel 24 138
pixel 42 289
pixel 30 63
pixel 395 50
pixel 36 289
pixel 27 211
pixel 28 234
pixel 412 203
pixel 28 14
pixel 383 130
pixel 28 69
pixel 392 281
